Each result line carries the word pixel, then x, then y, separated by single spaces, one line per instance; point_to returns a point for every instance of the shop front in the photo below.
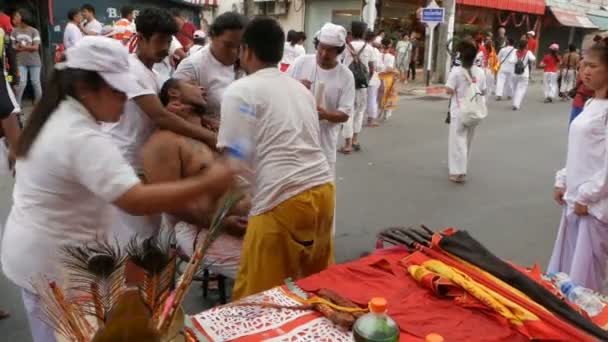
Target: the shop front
pixel 318 12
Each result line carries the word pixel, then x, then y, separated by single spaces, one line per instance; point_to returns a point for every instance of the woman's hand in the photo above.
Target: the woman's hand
pixel 580 209
pixel 558 195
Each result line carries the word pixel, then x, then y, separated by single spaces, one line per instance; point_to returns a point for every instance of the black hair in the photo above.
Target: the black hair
pixel 467 51
pixel 63 83
pixel 369 35
pixel 228 21
pixel 522 45
pixel 72 13
pixel 339 49
pixel 404 34
pixel 153 20
pixel 597 38
pixel 301 36
pixel 170 84
pixel 358 29
pixel 387 42
pixel 510 41
pixel 265 37
pixel 26 16
pixel 292 37
pixel 572 48
pixel 88 7
pixel 126 11
pixel 176 12
pixel 600 50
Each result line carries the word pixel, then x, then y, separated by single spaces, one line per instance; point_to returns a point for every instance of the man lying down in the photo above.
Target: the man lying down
pixel 168 156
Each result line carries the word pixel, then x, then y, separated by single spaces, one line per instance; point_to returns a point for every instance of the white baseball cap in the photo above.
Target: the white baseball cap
pixel 332 35
pixel 200 34
pixel 532 33
pixel 106 56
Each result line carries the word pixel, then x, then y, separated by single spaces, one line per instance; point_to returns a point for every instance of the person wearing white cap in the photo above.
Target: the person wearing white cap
pixel 199 42
pixel 70 173
pixel 550 63
pixel 332 84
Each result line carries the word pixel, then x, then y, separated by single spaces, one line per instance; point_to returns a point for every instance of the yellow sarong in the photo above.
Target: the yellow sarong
pixel 390 96
pixel 293 240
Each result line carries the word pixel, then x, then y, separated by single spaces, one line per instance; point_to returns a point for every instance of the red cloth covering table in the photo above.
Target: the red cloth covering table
pixel 417 311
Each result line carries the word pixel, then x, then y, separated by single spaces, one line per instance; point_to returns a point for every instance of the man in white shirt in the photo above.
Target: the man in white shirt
pixel 332 84
pixel 507 58
pixel 73 33
pixel 166 68
pixel 271 120
pixel 214 67
pixel 90 26
pixel 144 112
pixel 357 49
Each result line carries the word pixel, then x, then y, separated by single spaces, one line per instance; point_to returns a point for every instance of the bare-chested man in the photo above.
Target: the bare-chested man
pixel 168 156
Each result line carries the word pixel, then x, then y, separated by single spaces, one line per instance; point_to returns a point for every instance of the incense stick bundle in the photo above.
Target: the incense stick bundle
pixel 216 228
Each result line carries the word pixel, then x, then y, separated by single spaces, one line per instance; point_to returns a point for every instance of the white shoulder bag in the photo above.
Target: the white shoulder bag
pixel 472 105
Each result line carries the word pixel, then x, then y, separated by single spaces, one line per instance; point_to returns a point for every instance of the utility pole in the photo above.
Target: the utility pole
pixel 446 33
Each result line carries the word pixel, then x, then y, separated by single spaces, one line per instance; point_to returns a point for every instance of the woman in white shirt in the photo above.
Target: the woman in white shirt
pixel 461 136
pixel 388 76
pixel 69 173
pixel 293 48
pixel 521 77
pixel 73 33
pixel 582 186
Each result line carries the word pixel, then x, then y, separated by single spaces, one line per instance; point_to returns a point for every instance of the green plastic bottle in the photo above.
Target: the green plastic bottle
pixel 376 326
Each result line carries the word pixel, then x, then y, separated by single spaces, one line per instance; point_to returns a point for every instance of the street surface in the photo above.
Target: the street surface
pixel 400 178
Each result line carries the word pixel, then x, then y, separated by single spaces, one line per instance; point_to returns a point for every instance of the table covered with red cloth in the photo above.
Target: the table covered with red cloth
pixel 417 311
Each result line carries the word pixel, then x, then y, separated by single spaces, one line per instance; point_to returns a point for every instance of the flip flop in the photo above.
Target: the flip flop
pixel 357 147
pixel 344 150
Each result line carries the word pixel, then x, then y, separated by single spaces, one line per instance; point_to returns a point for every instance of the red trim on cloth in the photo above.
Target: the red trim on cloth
pixel 525 6
pixel 417 311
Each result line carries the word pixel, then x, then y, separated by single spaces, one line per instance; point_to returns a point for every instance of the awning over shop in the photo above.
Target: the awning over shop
pixel 599 18
pixel 572 18
pixel 525 6
pixel 212 3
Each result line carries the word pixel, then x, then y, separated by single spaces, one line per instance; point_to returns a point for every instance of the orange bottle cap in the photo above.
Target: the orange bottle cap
pixel 377 305
pixel 434 338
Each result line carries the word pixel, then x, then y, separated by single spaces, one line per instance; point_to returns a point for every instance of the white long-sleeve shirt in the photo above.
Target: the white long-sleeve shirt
pixel 585 176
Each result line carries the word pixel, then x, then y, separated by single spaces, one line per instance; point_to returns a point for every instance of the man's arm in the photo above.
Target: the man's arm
pixel 151 105
pixel 332 116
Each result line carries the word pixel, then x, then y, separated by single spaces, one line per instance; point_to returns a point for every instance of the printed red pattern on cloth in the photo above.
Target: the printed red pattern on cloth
pixel 416 310
pixel 257 323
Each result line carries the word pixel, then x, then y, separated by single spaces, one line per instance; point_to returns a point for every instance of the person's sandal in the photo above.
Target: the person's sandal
pixel 357 147
pixel 345 150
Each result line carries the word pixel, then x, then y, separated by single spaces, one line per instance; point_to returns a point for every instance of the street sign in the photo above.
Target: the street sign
pixel 433 15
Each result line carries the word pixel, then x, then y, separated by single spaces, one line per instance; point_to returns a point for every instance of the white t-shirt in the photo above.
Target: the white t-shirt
pixel 135 126
pixel 507 56
pixel 292 52
pixel 339 89
pixel 71 35
pixel 93 26
pixel 386 62
pixel 586 174
pixel 207 72
pixel 367 55
pixel 527 59
pixel 164 69
pixel 459 83
pixel 287 157
pixel 62 194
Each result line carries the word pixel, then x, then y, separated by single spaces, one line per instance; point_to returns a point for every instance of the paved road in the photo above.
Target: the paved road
pixel 400 178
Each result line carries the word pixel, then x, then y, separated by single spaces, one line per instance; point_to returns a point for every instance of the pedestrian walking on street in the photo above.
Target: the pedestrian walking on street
pixel 404 56
pixel 506 65
pixel 568 70
pixel 581 187
pixel 550 63
pixel 413 57
pixel 521 73
pixel 374 83
pixel 26 42
pixel 464 83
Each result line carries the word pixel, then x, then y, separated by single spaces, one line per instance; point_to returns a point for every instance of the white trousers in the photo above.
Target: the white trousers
pixel 355 122
pixel 520 87
pixel 459 145
pixel 504 84
pixel 568 80
pixel 490 81
pixel 580 250
pixel 372 102
pixel 550 85
pixel 41 332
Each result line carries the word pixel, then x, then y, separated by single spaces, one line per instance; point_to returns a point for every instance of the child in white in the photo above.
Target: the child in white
pixel 520 81
pixel 461 136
